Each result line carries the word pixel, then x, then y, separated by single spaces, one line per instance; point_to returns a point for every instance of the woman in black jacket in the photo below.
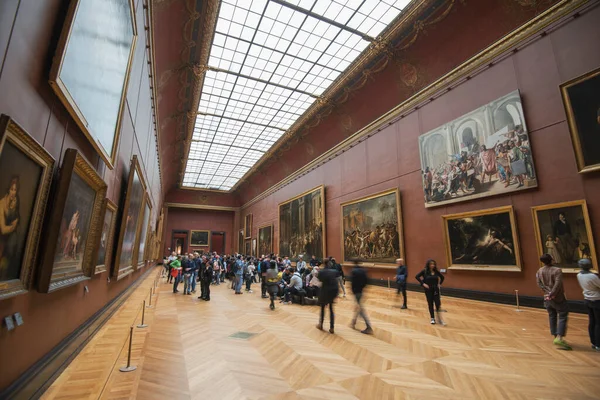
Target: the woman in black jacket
pixel 431 279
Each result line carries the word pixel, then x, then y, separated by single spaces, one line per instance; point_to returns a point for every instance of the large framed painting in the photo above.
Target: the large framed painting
pixel 90 69
pixel 241 241
pixel 254 247
pixel 247 248
pixel 483 240
pixel 302 225
pixel 74 227
pixel 200 238
pixel 563 230
pixel 140 255
pixel 248 226
pixel 483 153
pixel 581 97
pixel 265 240
pixel 371 229
pixel 107 237
pixel 25 178
pixel 128 241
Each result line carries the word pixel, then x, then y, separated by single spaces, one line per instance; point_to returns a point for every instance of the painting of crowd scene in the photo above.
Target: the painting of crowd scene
pixel 302 226
pixel 564 231
pixel 483 153
pixel 485 239
pixel 371 229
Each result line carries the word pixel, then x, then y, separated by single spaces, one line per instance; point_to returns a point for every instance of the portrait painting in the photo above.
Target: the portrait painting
pixel 106 237
pixel 486 152
pixel 145 222
pixel 241 241
pixel 200 238
pixel 247 248
pixel 248 226
pixel 483 240
pixel 302 225
pixel 581 98
pixel 564 231
pixel 91 66
pixel 74 229
pixel 265 240
pixel 130 220
pixel 371 229
pixel 254 247
pixel 25 178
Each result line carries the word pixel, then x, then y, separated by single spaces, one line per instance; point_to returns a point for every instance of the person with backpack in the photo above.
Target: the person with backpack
pixel 272 279
pixel 401 275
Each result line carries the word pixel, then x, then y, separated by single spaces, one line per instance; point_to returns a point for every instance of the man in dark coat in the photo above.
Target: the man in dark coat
pixel 329 291
pixel 359 281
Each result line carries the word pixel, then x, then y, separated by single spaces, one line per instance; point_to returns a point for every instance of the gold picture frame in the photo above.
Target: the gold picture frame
pixel 248 226
pixel 198 244
pixel 261 242
pixel 122 268
pixel 15 138
pixel 488 235
pixel 247 248
pixel 66 87
pixel 572 118
pixel 108 235
pixel 391 263
pixel 555 245
pixel 143 232
pixel 321 190
pixel 69 212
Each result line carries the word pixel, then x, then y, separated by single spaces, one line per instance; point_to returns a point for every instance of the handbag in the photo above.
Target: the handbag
pixel 174 272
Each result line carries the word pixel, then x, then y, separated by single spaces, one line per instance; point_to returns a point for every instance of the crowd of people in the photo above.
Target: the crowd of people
pixel 319 282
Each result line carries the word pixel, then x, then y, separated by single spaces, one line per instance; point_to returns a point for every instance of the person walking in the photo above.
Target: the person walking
pixel 329 291
pixel 265 265
pixel 176 273
pixel 359 281
pixel 590 283
pixel 249 276
pixel 549 279
pixel 208 277
pixel 239 274
pixel 272 279
pixel 401 275
pixel 431 279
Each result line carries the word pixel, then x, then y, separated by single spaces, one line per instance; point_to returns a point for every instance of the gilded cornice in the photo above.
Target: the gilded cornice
pixel 473 66
pixel 201 207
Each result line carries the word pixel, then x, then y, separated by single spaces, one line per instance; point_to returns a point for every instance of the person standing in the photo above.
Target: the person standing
pixel 340 274
pixel 401 275
pixel 431 279
pixel 590 283
pixel 329 291
pixel 208 276
pixel 176 273
pixel 265 265
pixel 272 279
pixel 249 276
pixel 239 275
pixel 359 281
pixel 549 279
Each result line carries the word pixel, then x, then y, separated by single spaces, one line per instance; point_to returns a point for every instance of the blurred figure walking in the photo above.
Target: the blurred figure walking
pixel 359 281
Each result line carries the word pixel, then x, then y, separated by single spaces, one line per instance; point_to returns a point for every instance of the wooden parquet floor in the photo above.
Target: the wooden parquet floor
pixel 486 351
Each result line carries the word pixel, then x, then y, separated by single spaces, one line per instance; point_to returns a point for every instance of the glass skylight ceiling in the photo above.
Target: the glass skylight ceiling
pixel 269 61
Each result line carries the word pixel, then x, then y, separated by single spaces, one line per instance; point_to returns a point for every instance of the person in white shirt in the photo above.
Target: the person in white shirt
pixel 590 283
pixel 300 265
pixel 249 275
pixel 293 288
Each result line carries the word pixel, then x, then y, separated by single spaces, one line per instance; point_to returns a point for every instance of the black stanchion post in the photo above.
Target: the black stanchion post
pixel 129 367
pixel 150 305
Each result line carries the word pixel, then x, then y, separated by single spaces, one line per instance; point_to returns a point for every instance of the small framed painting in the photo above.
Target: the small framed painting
pixel 107 237
pixel 563 230
pixel 483 240
pixel 247 248
pixel 265 240
pixel 581 97
pixel 75 226
pixel 25 179
pixel 200 238
pixel 248 226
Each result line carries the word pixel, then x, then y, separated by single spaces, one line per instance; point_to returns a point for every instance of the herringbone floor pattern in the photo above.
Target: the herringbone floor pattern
pixel 485 351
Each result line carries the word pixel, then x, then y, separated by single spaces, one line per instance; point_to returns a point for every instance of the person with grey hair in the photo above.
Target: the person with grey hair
pixel 590 283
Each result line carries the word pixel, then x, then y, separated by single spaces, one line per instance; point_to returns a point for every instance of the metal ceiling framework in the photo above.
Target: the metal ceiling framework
pixel 270 60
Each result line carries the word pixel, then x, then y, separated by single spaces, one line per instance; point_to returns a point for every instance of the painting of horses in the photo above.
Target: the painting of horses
pixel 372 229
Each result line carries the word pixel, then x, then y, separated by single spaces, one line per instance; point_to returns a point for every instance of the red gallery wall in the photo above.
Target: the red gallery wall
pixel 185 219
pixel 390 159
pixel 28 34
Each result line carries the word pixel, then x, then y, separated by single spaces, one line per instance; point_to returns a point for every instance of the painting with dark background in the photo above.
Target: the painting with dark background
pixel 199 238
pixel 104 244
pixel 19 181
pixel 74 227
pixel 133 213
pixel 248 226
pixel 582 101
pixel 371 230
pixel 247 248
pixel 265 240
pixel 301 226
pixel 482 240
pixel 564 234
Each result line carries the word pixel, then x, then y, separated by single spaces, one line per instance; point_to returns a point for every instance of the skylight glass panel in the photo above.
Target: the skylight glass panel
pixel 268 64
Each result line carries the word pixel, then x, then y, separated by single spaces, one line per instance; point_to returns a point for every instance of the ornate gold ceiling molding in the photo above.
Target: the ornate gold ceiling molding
pixel 201 207
pixel 474 65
